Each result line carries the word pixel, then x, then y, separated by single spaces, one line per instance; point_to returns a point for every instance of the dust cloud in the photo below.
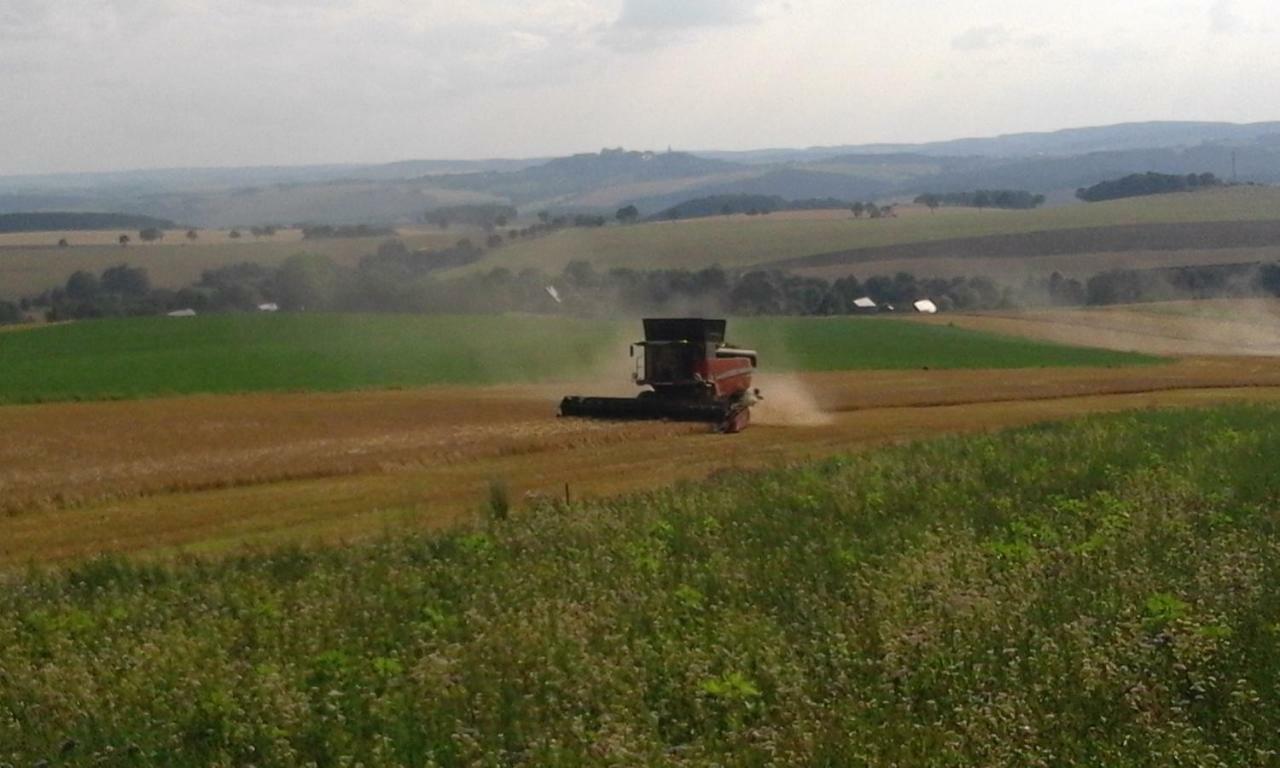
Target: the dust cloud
pixel 787 403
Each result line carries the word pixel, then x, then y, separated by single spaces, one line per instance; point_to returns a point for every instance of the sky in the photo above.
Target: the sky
pixel 88 85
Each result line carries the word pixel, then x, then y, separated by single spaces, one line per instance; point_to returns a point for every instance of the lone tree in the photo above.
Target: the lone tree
pixel 858 209
pixel 123 240
pixel 192 235
pixel 150 235
pixel 627 214
pixel 63 243
pixel 234 234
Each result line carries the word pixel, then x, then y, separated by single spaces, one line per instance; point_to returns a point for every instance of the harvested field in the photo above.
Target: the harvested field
pixel 741 241
pixel 207 474
pixel 1191 236
pixel 1222 327
pixel 1013 271
pixel 31 262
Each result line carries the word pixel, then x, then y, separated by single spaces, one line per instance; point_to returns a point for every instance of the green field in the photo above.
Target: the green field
pixel 302 352
pixel 735 241
pixel 1095 593
pixel 857 344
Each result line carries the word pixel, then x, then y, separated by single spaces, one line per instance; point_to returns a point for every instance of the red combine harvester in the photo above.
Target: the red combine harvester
pixel 693 375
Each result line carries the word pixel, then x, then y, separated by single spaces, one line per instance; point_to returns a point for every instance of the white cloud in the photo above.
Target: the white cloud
pixel 647 24
pixel 659 14
pixel 1223 19
pixel 996 36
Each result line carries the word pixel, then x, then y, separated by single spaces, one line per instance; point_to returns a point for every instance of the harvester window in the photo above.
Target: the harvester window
pixel 668 363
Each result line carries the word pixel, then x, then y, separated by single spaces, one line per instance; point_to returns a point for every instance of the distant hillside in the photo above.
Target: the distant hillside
pixel 1054 164
pixel 162 180
pixel 1258 162
pixel 580 174
pixel 793 182
pixel 760 240
pixel 64 221
pixel 1070 141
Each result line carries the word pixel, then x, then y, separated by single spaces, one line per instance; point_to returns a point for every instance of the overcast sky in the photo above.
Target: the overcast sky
pixel 110 84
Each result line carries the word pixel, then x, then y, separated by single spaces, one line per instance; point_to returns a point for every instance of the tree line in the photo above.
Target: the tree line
pixel 395 279
pixel 751 205
pixel 1142 184
pixel 58 221
pixel 1010 199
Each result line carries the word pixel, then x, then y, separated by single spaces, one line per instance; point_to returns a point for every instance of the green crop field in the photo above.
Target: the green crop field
pixel 733 241
pixel 854 344
pixel 245 353
pixel 1096 593
pixel 304 352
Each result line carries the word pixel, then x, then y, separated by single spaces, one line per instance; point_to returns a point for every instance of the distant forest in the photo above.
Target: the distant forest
pixel 58 222
pixel 1142 184
pixel 1011 199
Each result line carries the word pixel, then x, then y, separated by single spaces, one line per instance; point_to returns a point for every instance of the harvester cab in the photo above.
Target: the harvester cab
pixel 692 375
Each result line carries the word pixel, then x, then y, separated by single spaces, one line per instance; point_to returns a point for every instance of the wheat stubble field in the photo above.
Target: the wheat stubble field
pixel 212 473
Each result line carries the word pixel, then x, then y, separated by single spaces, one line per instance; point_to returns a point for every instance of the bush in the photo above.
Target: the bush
pixel 10 313
pixel 499 503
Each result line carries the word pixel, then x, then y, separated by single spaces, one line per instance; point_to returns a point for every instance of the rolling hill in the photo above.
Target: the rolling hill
pixel 743 241
pixel 1054 164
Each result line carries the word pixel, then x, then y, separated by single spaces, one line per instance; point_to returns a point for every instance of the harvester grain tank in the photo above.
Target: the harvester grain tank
pixel 692 375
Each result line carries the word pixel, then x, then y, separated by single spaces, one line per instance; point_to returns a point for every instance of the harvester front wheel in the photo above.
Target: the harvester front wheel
pixel 736 422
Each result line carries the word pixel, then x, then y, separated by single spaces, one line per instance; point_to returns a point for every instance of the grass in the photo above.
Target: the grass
pixel 320 352
pixel 1098 593
pixel 734 241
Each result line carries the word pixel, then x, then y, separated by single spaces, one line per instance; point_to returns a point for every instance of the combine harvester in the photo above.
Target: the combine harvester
pixel 693 374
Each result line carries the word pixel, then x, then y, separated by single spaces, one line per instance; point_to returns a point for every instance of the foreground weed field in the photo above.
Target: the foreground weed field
pixel 142 357
pixel 1096 593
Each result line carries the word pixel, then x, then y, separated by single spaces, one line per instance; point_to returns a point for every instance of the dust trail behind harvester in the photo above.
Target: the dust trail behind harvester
pixel 788 403
pixel 788 400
